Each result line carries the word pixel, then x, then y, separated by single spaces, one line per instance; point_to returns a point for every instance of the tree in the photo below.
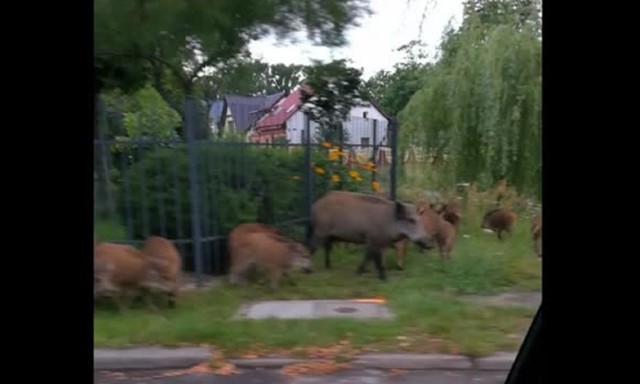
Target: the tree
pixel 481 103
pixel 153 40
pixel 330 91
pixel 393 89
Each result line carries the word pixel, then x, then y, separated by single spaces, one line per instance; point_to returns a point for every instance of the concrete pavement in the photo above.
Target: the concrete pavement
pixel 180 358
pixel 271 376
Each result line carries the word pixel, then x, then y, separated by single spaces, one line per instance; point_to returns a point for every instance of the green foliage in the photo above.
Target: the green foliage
pixel 149 116
pixel 236 183
pixel 148 38
pixel 330 91
pixel 331 172
pixel 481 104
pixel 393 89
pixel 111 230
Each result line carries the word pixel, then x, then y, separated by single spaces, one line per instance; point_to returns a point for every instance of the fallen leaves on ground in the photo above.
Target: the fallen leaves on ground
pixel 218 366
pixel 115 375
pixel 342 349
pixel 396 372
pixel 324 367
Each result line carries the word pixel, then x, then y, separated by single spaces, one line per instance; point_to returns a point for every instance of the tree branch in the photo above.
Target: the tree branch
pixel 176 71
pixel 210 60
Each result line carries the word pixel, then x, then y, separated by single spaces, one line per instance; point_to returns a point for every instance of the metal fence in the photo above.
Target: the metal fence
pixel 195 190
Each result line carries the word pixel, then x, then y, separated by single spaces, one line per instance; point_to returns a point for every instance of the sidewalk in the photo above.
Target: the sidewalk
pixel 153 358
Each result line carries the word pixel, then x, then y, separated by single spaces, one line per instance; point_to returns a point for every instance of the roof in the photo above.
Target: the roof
pixel 289 105
pixel 246 110
pixel 216 110
pixel 281 112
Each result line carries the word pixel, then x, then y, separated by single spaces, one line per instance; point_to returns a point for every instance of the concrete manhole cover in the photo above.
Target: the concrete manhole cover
pixel 346 309
pixel 314 309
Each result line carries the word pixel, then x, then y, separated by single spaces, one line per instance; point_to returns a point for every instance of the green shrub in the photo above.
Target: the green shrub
pixel 237 183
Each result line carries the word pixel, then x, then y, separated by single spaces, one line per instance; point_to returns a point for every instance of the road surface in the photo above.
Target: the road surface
pixel 270 376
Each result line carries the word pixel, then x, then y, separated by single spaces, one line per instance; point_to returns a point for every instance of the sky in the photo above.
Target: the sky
pixel 372 45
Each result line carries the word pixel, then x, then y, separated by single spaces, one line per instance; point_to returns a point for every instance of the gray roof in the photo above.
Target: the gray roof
pixel 217 107
pixel 246 110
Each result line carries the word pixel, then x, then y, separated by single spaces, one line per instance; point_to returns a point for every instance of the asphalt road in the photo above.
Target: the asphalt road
pixel 268 376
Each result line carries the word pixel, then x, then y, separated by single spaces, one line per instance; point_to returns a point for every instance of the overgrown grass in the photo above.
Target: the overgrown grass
pixel 430 314
pixel 430 317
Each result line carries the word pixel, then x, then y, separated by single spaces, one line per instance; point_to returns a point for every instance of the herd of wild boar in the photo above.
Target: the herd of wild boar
pixel 372 221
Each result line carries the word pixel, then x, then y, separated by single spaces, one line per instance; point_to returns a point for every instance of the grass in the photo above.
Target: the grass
pixel 430 316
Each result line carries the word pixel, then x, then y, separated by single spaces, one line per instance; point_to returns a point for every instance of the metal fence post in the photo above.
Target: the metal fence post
pixel 393 125
pixel 308 178
pixel 375 148
pixel 190 122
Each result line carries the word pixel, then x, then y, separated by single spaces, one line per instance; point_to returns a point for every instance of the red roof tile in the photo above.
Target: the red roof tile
pixel 282 111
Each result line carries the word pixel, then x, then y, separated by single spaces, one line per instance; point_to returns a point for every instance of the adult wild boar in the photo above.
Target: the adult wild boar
pixel 436 227
pixel 122 270
pixel 166 260
pixel 357 218
pixel 499 220
pixel 274 254
pixel 536 234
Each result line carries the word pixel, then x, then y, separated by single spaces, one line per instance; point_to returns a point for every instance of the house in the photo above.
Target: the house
pixel 237 113
pixel 286 120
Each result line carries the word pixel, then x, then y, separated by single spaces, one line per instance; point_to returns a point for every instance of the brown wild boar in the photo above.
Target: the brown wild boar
pixel 499 220
pixel 122 270
pixel 274 254
pixel 536 234
pixel 451 212
pixel 166 259
pixel 357 218
pixel 236 236
pixel 441 230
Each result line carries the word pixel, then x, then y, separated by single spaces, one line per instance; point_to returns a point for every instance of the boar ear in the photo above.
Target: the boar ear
pixel 421 209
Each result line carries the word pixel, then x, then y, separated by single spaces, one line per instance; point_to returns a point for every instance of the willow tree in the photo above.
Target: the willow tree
pixel 482 105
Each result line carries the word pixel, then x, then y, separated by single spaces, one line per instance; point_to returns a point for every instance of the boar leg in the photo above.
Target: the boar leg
pixel 376 255
pixel 172 299
pixel 275 274
pixel 289 278
pixel 362 268
pixel 401 250
pixel 327 253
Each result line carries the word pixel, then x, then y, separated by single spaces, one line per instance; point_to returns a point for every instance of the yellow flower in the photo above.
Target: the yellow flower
pixel 296 177
pixel 359 179
pixel 369 166
pixel 354 174
pixel 375 185
pixel 326 144
pixel 334 154
pixel 320 171
pixel 335 178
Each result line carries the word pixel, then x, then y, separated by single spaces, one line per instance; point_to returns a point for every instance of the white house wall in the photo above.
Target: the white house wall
pixel 295 127
pixel 357 126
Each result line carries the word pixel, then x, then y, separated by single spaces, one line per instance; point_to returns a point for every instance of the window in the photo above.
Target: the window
pixel 365 114
pixel 364 140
